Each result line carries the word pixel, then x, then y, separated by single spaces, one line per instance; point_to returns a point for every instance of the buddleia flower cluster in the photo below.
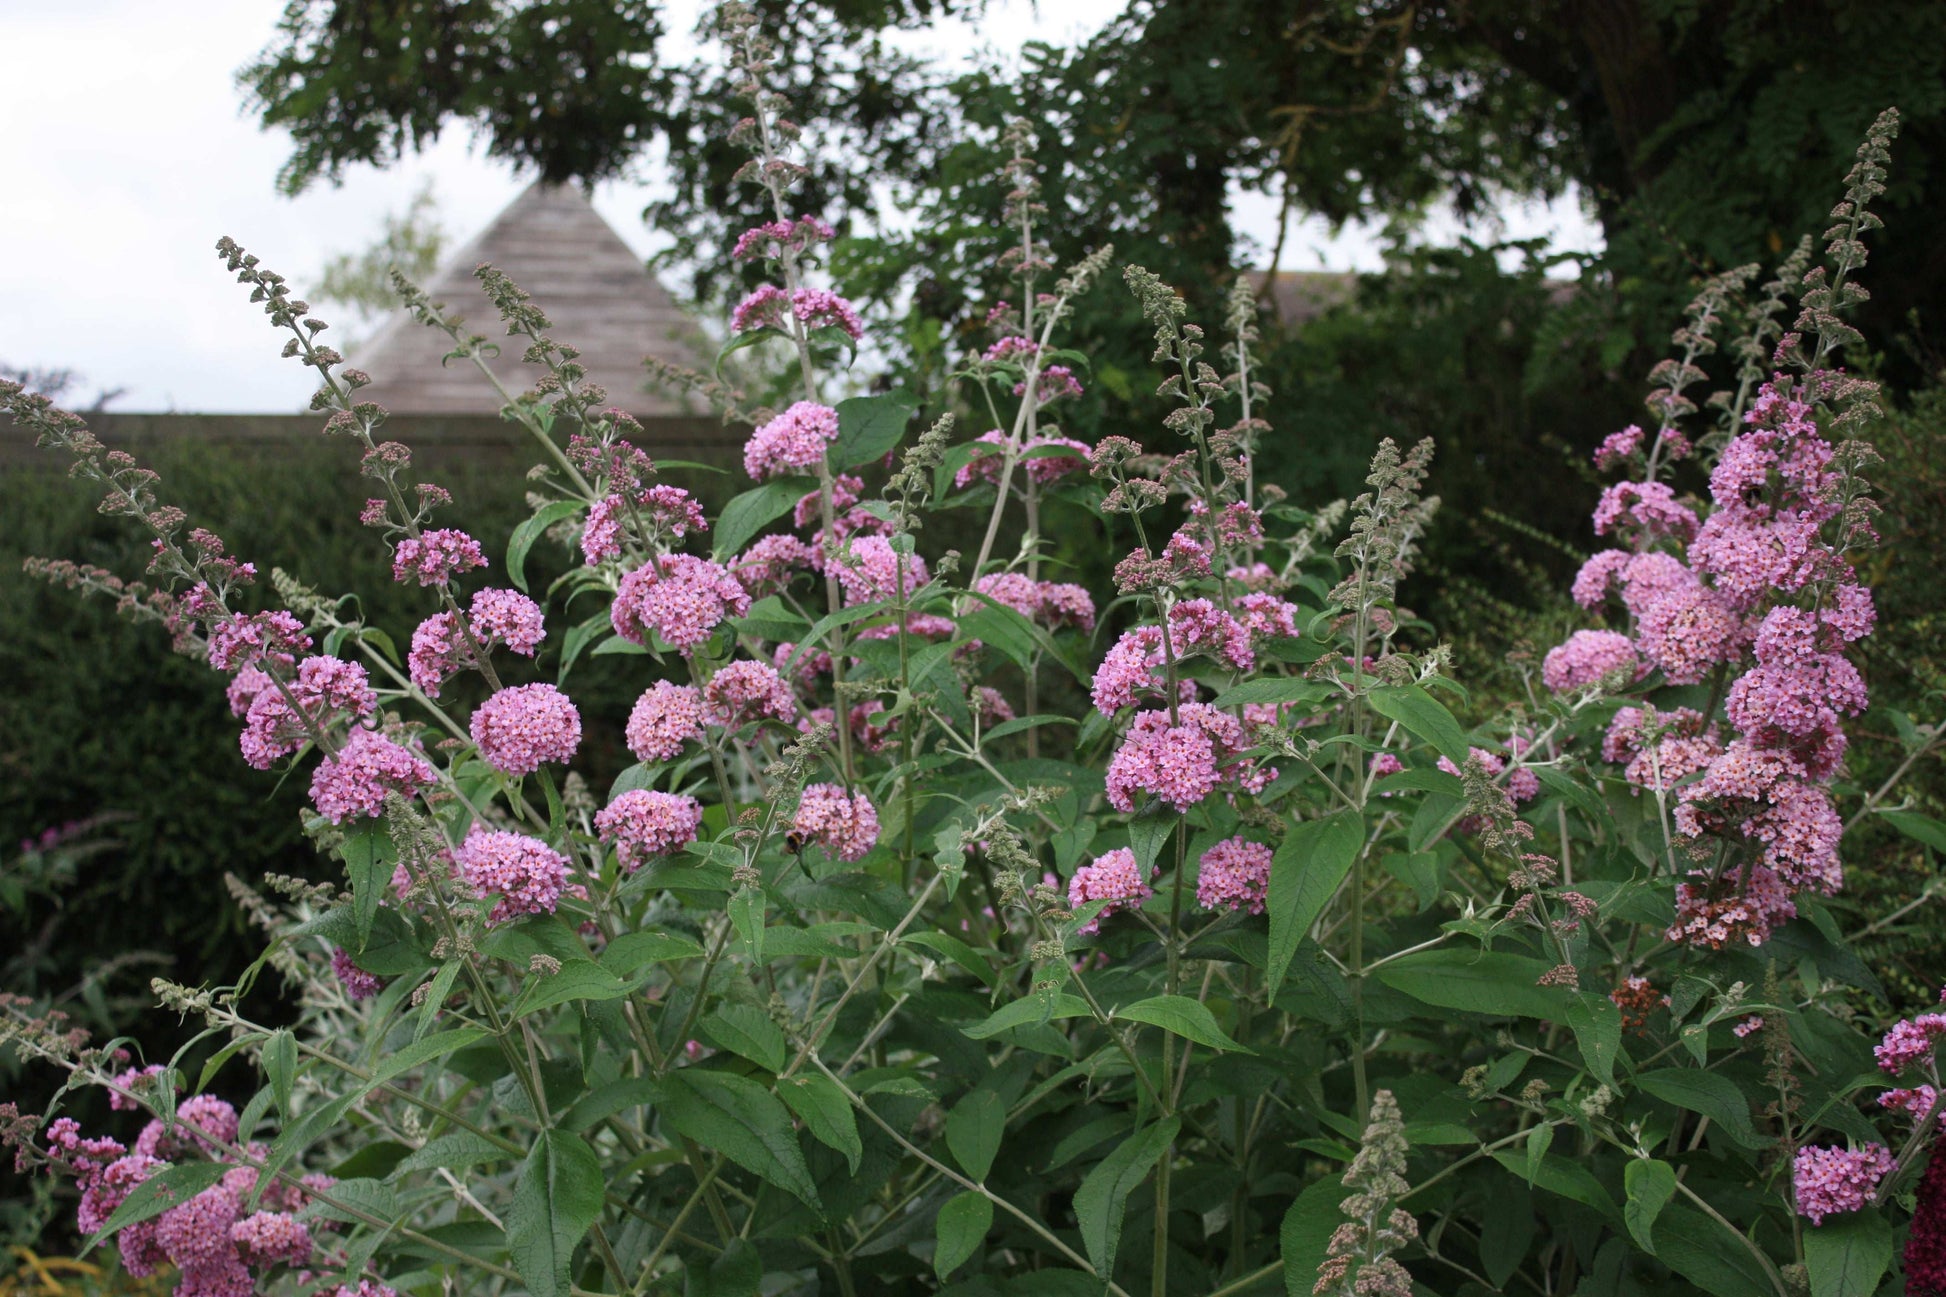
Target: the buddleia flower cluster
pixel 1750 593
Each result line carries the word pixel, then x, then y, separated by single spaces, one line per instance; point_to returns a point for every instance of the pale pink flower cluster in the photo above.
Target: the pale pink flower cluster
pixel 1661 749
pixel 844 824
pixel 1589 657
pixel 256 640
pixel 525 873
pixel 679 597
pixel 1910 1042
pixel 1832 1181
pixel 820 308
pixel 1045 459
pixel 1234 875
pixel 770 562
pixel 354 780
pixel 1183 763
pixel 1114 878
pixel 522 728
pixel 815 308
pixel 793 442
pixel 496 617
pixel 744 691
pixel 666 512
pixel 643 823
pixel 868 570
pixel 1056 381
pixel 1648 510
pixel 665 717
pixel 330 693
pixel 436 557
pixel 770 239
pixel 1053 604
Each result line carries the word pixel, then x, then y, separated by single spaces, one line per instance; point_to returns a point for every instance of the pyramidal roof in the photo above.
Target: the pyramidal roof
pixel 597 294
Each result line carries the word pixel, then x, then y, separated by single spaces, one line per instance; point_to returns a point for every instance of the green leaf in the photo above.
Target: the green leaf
pixel 1148 833
pixel 743 1121
pixel 974 1129
pixel 737 1272
pixel 1304 875
pixel 1920 828
pixel 557 1197
pixel 1650 1185
pixel 1023 1013
pixel 1539 1140
pixel 747 514
pixel 456 1152
pixel 1709 1093
pixel 1423 716
pixel 1848 1254
pixel 634 950
pixel 869 426
pixel 1103 1196
pixel 1709 1256
pixel 578 979
pixel 165 1189
pixel 1306 1232
pixel 1188 1018
pixel 436 993
pixel 747 1030
pixel 961 1228
pixel 1563 1176
pixel 1001 628
pixel 1597 1025
pixel 954 949
pixel 530 531
pixel 825 1111
pixel 1019 723
pixel 747 917
pixel 1477 981
pixel 746 338
pixel 369 856
pixel 1284 689
pixel 280 1066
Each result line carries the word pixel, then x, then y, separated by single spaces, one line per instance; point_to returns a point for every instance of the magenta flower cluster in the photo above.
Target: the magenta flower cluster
pixel 1757 597
pixel 518 730
pixel 219 1248
pixel 642 824
pixel 525 873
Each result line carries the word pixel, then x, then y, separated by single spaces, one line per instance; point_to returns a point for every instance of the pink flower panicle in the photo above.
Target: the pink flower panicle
pixel 1590 657
pixel 843 824
pixel 522 728
pixel 1832 1181
pixel 642 824
pixel 793 442
pixel 436 557
pixel 868 569
pixel 355 780
pixel 679 597
pixel 1113 878
pixel 1234 875
pixel 745 691
pixel 664 718
pixel 1182 764
pixel 524 872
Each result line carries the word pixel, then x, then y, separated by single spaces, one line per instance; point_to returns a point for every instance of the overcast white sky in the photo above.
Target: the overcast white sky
pixel 128 155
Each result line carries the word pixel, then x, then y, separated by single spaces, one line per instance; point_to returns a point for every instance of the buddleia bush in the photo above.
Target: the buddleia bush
pixel 959 928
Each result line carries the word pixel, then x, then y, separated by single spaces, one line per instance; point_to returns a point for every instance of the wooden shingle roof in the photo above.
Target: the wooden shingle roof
pixel 597 294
